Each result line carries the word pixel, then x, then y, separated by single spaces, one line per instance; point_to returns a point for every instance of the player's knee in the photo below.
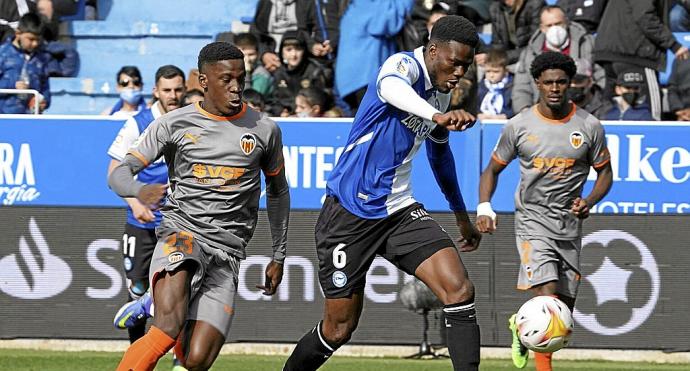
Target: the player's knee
pixel 196 361
pixel 459 292
pixel 339 332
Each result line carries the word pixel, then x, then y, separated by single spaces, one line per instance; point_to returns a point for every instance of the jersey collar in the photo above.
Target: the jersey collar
pixel 419 56
pixel 156 110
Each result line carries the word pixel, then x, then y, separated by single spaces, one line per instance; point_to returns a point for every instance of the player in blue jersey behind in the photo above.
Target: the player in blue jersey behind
pixel 369 208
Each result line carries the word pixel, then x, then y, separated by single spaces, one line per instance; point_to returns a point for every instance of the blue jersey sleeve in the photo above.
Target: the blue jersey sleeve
pixel 443 166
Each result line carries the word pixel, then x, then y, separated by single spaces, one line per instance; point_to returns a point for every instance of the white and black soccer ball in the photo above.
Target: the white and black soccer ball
pixel 544 324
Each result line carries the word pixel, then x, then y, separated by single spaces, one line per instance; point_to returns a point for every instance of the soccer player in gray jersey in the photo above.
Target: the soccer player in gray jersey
pixel 215 152
pixel 556 143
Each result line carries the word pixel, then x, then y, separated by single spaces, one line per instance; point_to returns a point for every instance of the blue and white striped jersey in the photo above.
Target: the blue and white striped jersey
pixel 372 176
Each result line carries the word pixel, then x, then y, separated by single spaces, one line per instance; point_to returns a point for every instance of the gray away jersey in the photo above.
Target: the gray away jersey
pixel 555 159
pixel 214 166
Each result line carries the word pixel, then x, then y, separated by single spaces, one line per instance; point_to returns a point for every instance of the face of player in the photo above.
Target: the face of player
pixel 292 55
pixel 223 83
pixel 448 62
pixel 169 93
pixel 552 86
pixel 495 73
pixel 28 41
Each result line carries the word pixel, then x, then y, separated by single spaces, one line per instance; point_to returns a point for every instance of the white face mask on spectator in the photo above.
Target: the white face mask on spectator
pixel 556 36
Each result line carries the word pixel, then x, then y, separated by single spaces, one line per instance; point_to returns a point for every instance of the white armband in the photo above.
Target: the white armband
pixel 484 208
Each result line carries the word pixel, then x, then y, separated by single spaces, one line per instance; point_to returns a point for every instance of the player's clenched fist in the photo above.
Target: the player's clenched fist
pixel 152 194
pixel 580 208
pixel 457 120
pixel 485 224
pixel 486 218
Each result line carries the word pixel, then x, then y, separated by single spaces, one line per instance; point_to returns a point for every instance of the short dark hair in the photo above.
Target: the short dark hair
pixel 254 97
pixel 549 8
pixel 316 96
pixel 31 23
pixel 131 71
pixel 218 51
pixel 497 57
pixel 455 28
pixel 246 40
pixel 552 61
pixel 168 72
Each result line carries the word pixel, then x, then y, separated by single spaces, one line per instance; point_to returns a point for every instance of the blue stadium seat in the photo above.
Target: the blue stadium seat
pixel 146 34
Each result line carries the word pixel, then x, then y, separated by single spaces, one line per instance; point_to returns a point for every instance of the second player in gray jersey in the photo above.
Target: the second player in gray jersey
pixel 556 143
pixel 215 152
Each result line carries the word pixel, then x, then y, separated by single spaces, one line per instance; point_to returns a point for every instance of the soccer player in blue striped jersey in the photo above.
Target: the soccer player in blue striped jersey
pixel 369 208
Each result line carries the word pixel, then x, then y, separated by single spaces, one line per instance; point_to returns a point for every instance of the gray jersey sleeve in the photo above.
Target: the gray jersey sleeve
pixel 506 148
pixel 277 194
pixel 598 154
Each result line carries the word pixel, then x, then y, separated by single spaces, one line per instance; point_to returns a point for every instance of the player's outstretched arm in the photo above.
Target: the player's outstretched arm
pixel 486 217
pixel 602 186
pixel 443 166
pixel 278 209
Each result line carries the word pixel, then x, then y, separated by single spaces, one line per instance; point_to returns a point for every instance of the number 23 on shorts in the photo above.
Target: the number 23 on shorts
pixel 180 241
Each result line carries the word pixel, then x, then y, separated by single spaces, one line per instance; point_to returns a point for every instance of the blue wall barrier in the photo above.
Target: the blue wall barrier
pixel 62 161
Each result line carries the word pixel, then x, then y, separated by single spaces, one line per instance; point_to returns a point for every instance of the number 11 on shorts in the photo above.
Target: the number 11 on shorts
pixel 339 256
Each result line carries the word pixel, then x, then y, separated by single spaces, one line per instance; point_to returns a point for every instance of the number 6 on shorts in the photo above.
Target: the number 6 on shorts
pixel 339 256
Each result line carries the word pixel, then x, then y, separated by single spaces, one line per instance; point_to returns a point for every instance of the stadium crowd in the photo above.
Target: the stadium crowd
pixel 298 62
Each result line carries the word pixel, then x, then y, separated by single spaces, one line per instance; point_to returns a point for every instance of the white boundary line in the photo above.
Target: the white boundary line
pixel 373 351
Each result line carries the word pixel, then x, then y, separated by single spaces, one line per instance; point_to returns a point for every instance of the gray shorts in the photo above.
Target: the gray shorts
pixel 543 260
pixel 212 297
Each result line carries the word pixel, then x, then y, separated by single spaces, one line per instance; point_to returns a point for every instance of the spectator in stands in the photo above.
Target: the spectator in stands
pixel 129 85
pixel 258 77
pixel 297 71
pixel 322 39
pixel 438 11
pixel 192 96
pixel 254 99
pixel 275 17
pixel 312 102
pixel 585 93
pixel 513 22
pixel 635 35
pixel 555 34
pixel 62 59
pixel 629 103
pixel 22 68
pixel 10 12
pixel 477 11
pixel 496 87
pixel 368 29
pixel 680 16
pixel 679 90
pixel 585 12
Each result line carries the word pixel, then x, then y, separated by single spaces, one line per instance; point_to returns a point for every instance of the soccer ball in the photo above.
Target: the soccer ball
pixel 544 324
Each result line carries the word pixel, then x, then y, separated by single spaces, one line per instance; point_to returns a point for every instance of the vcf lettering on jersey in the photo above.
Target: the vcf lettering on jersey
pixel 217 174
pixel 17 179
pixel 555 166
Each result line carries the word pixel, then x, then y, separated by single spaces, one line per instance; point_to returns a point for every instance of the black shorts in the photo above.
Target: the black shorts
pixel 137 248
pixel 347 244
